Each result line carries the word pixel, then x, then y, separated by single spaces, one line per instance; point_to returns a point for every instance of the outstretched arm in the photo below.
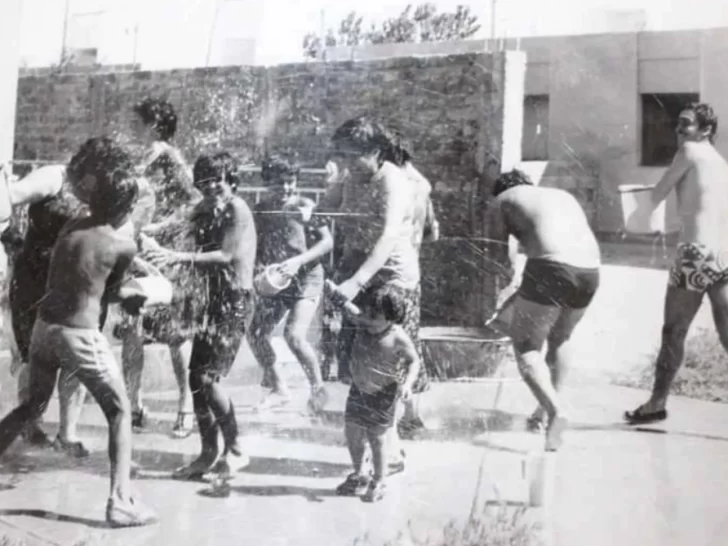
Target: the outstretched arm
pixel 40 184
pixel 675 172
pixel 239 242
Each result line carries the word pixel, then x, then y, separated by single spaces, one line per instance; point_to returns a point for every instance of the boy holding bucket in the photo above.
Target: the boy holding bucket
pixel 289 259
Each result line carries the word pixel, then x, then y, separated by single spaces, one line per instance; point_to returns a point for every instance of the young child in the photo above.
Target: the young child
pixel 284 240
pixel 224 232
pixel 87 264
pixel 384 367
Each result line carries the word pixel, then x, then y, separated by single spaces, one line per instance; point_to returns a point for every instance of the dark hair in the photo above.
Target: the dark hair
pixel 389 300
pixel 705 117
pixel 100 157
pixel 221 167
pixel 275 166
pixel 114 195
pixel 159 114
pixel 510 180
pixel 369 136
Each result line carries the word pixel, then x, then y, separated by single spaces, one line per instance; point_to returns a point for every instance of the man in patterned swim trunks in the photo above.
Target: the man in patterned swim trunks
pixel 699 175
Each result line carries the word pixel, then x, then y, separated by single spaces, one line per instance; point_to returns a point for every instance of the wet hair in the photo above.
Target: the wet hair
pixel 388 300
pixel 100 157
pixel 220 167
pixel 115 190
pixel 369 136
pixel 510 180
pixel 275 166
pixel 705 117
pixel 159 114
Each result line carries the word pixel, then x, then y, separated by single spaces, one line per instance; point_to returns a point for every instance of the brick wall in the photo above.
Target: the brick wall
pixel 451 110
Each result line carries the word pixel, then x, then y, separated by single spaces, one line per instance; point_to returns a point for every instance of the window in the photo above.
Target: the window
pixel 659 119
pixel 535 143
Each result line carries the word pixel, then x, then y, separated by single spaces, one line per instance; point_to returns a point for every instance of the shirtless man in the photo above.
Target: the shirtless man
pixel 560 279
pixel 699 176
pixel 86 268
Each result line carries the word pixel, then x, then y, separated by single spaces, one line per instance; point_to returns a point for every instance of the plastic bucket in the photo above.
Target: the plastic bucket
pixel 271 281
pixel 638 214
pixel 156 287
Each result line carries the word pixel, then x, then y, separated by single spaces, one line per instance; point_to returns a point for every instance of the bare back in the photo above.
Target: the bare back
pixel 549 223
pixel 88 257
pixel 702 196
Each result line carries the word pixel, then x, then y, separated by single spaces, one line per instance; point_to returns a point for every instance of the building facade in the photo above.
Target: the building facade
pixel 600 110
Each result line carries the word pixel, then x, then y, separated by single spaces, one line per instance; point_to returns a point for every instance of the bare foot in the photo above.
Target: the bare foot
pixel 555 432
pixel 537 421
pixel 275 399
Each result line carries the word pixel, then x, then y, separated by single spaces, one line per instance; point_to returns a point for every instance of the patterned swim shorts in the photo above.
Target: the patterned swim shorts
pixel 697 268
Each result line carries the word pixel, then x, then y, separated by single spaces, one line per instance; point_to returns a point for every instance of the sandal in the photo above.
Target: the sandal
pixel 139 419
pixel 555 433
pixel 375 491
pixel 639 417
pixel 355 485
pixel 536 422
pixel 183 425
pixel 73 449
pixel 318 400
pixel 397 466
pixel 409 428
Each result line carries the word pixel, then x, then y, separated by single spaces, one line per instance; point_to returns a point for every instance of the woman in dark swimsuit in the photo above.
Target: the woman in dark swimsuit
pixel 155 124
pixel 60 200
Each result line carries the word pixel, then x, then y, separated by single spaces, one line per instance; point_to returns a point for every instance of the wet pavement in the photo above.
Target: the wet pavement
pixel 612 485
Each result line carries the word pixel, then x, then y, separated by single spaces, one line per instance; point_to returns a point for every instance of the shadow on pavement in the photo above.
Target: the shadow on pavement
pixel 54 516
pixel 312 494
pixel 295 467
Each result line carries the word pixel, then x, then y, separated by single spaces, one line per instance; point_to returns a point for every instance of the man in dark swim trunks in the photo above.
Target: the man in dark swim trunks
pixel 560 279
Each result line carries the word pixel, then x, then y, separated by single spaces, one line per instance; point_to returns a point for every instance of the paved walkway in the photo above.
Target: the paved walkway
pixel 613 485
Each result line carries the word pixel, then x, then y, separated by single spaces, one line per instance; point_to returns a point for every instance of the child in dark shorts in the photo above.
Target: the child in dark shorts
pixel 384 367
pixel 225 241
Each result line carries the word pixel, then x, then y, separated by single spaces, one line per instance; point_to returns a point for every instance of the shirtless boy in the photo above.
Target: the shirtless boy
pixel 87 265
pixel 560 279
pixel 699 176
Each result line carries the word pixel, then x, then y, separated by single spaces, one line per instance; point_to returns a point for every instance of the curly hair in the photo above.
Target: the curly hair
pixel 159 114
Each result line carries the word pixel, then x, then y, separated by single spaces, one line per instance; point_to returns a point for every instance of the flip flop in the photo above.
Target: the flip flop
pixel 638 417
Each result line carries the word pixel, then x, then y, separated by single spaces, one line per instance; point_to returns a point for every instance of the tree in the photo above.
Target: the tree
pixel 421 24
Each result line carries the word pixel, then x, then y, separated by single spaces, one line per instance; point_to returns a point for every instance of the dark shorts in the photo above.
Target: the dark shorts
pixel 560 285
pixel 215 346
pixel 269 310
pixel 371 410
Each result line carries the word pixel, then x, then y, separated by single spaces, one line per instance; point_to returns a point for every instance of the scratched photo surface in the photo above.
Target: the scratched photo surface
pixel 443 273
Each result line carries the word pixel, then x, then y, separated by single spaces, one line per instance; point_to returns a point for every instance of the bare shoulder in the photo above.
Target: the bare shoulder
pixel 306 202
pixel 690 152
pixel 401 338
pixel 391 177
pixel 240 209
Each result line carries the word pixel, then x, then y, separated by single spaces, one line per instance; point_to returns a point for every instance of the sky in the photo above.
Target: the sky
pixel 177 33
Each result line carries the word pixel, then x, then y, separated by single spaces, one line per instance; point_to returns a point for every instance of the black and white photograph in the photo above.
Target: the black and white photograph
pixel 345 273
